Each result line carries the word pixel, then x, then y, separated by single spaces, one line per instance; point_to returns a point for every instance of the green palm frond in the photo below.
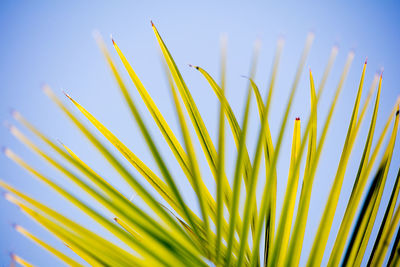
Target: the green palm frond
pixel 170 232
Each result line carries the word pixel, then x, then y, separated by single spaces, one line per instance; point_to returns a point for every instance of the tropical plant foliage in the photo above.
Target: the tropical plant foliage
pixel 173 234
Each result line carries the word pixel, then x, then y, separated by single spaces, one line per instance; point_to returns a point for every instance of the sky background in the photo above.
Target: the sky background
pixel 51 42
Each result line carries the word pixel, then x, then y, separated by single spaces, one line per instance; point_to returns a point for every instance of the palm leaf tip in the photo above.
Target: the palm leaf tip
pixel 10 198
pixel 20 260
pixel 18 228
pixel 6 151
pixel 196 67
pixel 68 96
pixel 15 114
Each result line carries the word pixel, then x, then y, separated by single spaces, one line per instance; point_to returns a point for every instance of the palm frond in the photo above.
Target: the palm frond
pixel 171 233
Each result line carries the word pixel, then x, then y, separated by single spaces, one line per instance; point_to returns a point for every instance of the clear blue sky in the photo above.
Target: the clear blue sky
pixel 51 42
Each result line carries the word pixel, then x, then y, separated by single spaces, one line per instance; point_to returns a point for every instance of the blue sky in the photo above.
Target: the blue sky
pixel 51 42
